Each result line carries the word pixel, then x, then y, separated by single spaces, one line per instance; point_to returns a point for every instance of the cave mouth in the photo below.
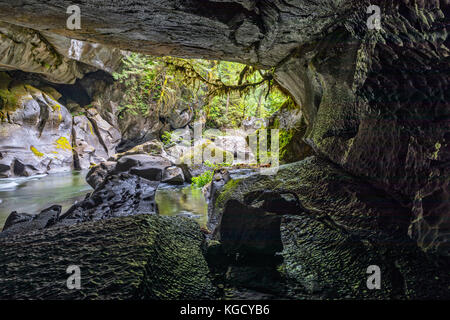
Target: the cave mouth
pixel 359 115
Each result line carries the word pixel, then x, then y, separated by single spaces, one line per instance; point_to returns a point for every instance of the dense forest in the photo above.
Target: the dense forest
pixel 230 92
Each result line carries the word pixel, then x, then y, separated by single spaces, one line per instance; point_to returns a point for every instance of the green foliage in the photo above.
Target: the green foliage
pixel 203 179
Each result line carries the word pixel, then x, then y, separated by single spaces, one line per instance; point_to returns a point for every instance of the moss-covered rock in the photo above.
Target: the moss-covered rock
pixel 139 257
pixel 206 148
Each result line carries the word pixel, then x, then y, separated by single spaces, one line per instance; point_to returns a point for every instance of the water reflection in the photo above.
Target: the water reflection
pixel 182 201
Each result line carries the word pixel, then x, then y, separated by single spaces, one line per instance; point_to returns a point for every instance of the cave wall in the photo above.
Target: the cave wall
pixel 376 104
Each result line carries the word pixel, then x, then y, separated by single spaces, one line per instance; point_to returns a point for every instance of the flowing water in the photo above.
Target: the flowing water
pixel 33 194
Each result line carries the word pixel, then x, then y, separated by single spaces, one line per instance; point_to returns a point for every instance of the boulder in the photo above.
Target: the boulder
pixel 237 145
pixel 320 229
pixel 173 175
pixel 145 166
pixel 153 147
pixel 138 160
pixel 16 218
pixel 89 144
pixel 180 117
pixel 98 173
pixel 108 136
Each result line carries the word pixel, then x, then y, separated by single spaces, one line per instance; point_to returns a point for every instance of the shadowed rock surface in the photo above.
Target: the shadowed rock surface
pixel 139 257
pixel 255 32
pixel 319 229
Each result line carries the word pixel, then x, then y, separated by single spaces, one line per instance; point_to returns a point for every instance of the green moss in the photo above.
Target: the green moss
pixel 285 139
pixel 227 192
pixel 198 151
pixel 36 152
pixel 11 97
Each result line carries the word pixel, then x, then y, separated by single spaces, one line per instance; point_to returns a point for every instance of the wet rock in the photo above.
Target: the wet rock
pixel 138 257
pixel 263 278
pixel 99 56
pixel 173 175
pixel 145 166
pixel 249 231
pixel 324 262
pixel 98 173
pixel 220 178
pixel 56 58
pixel 153 147
pixel 25 49
pixel 291 123
pixel 190 30
pixel 150 172
pixel 320 229
pixel 117 196
pixel 39 134
pixel 89 144
pixel 108 136
pixel 430 227
pixel 180 117
pixel 237 145
pixel 21 223
pixel 16 218
pixel 377 117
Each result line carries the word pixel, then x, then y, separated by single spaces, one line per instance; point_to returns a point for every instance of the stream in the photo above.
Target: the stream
pixel 33 194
